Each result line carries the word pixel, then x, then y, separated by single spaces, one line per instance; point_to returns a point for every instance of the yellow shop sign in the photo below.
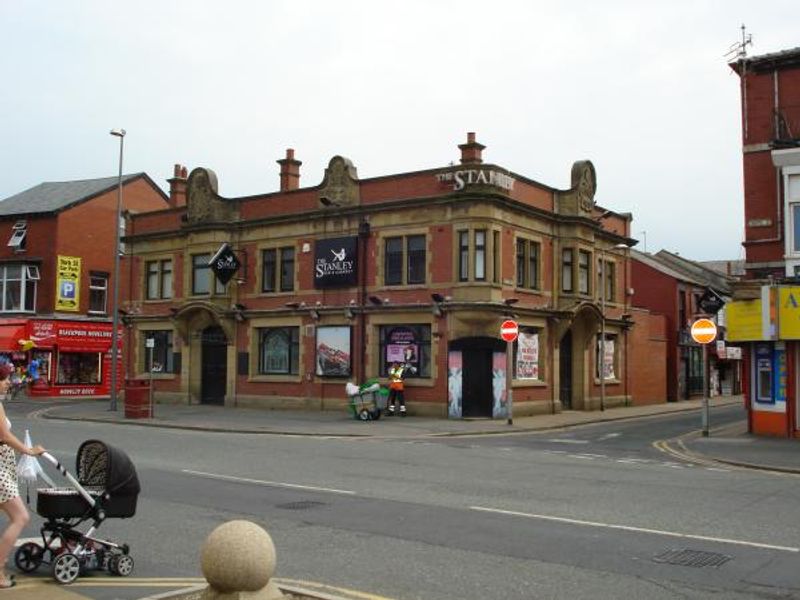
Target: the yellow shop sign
pixel 744 321
pixel 789 313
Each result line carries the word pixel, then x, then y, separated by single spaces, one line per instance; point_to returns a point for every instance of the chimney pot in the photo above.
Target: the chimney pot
pixel 471 151
pixel 177 186
pixel 290 171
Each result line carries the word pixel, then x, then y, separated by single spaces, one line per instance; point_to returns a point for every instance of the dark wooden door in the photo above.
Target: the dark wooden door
pixel 565 370
pixel 214 365
pixel 477 399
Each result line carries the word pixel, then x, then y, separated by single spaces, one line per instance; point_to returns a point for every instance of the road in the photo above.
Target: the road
pixel 594 511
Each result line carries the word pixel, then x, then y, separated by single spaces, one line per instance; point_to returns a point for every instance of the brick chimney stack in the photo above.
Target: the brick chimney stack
pixel 290 171
pixel 471 151
pixel 177 186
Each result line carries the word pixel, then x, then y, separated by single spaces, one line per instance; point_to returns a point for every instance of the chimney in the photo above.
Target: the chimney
pixel 177 186
pixel 471 151
pixel 290 171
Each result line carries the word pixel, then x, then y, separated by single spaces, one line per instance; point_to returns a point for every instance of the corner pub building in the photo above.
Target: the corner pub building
pixel 334 282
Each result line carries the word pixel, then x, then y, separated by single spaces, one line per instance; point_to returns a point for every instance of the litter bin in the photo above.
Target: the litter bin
pixel 137 399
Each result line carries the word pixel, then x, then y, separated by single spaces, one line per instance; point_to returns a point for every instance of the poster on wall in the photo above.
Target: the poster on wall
pixel 333 351
pixel 608 360
pixel 527 355
pixel 454 387
pixel 500 403
pixel 401 347
pixel 68 283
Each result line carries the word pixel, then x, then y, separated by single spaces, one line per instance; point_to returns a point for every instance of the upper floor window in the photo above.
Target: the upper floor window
pixel 475 256
pixel 528 263
pixel 480 255
pixel 98 292
pixel 496 256
pixel 19 234
pixel 606 279
pixel 412 247
pixel 203 277
pixel 158 274
pixel 277 269
pixel 584 262
pixel 463 255
pixel 18 283
pixel 566 270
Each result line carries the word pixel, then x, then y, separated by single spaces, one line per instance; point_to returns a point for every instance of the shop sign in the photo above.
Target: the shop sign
pixel 733 353
pixel 335 262
pixel 789 313
pixel 224 263
pixel 72 335
pixel 468 177
pixel 68 283
pixel 744 319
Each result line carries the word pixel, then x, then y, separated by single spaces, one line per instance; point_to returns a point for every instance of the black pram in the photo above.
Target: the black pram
pixel 106 488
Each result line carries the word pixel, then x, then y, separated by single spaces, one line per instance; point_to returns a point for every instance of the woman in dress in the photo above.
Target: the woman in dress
pixel 10 502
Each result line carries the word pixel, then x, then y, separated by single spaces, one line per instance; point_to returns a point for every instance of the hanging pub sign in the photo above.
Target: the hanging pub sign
pixel 335 262
pixel 224 263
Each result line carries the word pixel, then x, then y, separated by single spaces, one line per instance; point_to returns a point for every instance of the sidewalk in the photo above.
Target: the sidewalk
pixel 732 445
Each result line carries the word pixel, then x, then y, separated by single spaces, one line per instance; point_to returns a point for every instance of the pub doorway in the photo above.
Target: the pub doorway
pixel 214 365
pixel 565 371
pixel 477 376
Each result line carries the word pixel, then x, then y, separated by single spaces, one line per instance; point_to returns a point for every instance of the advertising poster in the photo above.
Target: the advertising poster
pixel 68 283
pixel 500 404
pixel 333 351
pixel 527 355
pixel 454 379
pixel 401 346
pixel 608 360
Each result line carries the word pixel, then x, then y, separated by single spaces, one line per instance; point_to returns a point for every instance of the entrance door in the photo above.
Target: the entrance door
pixel 214 364
pixel 477 399
pixel 565 370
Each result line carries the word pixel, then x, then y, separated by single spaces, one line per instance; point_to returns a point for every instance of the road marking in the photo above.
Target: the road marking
pixel 300 585
pixel 267 483
pixel 593 455
pixel 567 441
pixel 583 456
pixel 639 461
pixel 608 436
pixel 636 529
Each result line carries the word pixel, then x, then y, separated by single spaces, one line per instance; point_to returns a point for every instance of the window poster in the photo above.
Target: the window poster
pixel 527 355
pixel 333 351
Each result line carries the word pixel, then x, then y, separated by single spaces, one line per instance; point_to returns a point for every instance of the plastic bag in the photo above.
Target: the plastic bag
pixel 351 389
pixel 28 467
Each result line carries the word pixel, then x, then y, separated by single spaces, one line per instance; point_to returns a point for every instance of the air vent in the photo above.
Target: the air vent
pixel 300 505
pixel 692 558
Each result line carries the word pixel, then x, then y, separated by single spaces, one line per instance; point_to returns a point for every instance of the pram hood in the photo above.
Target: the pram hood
pixel 101 465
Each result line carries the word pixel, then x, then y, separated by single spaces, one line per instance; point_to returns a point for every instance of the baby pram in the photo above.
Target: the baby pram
pixel 106 488
pixel 367 401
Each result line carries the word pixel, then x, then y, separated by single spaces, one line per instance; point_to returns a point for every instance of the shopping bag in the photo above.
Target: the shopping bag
pixel 28 467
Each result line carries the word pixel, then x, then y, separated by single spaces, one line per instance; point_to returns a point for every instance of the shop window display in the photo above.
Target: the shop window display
pixel 78 368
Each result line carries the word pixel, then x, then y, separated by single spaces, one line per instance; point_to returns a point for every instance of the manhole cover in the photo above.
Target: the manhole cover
pixel 300 505
pixel 692 558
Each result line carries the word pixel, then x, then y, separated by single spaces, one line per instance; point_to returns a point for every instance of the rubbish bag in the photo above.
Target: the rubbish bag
pixel 351 389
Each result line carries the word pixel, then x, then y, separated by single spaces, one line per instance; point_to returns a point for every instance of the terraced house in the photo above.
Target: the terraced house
pixel 332 283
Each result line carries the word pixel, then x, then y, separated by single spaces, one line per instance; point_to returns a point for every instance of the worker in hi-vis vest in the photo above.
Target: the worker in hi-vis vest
pixel 396 374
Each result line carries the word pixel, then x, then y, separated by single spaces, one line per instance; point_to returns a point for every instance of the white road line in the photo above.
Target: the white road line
pixel 583 456
pixel 608 436
pixel 593 455
pixel 635 529
pixel 718 469
pixel 267 483
pixel 640 461
pixel 567 441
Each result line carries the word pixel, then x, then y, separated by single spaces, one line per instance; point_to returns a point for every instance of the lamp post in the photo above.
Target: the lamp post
pixel 120 133
pixel 603 292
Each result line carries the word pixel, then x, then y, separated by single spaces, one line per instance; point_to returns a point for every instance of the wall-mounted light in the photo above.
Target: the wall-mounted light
pixel 292 305
pixel 510 301
pixel 437 298
pixel 314 314
pixel 376 301
pixel 348 313
pixel 437 310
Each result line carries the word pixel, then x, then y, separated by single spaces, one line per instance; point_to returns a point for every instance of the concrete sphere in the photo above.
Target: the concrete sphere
pixel 238 556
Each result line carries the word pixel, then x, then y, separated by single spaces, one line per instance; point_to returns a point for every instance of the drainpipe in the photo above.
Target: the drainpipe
pixel 363 239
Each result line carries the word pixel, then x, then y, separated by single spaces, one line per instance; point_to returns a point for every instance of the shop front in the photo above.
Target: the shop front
pixel 60 357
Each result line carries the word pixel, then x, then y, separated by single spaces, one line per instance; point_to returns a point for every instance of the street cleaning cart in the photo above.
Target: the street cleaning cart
pixel 367 401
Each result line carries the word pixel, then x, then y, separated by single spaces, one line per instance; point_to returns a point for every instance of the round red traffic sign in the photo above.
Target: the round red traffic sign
pixel 704 331
pixel 509 330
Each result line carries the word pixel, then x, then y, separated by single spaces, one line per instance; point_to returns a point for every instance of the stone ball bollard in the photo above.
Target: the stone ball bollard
pixel 239 556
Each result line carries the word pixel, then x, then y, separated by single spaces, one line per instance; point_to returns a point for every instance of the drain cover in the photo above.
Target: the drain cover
pixel 301 505
pixel 692 558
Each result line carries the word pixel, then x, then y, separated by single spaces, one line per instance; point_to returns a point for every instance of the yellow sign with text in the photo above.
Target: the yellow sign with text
pixel 744 321
pixel 68 283
pixel 789 313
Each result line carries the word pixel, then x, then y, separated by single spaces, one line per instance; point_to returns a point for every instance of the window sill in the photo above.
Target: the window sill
pixel 275 378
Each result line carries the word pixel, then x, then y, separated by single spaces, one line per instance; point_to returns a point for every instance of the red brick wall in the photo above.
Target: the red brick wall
pixel 648 377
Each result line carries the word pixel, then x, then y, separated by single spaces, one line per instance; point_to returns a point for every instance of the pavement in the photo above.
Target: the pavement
pixel 731 444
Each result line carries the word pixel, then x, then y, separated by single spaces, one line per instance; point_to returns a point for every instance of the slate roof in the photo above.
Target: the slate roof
pixel 654 262
pixel 54 196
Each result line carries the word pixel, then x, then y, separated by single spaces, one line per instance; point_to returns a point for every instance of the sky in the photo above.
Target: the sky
pixel 642 89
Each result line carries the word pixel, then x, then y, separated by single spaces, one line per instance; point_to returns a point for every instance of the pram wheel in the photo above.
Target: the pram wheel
pixel 66 567
pixel 121 564
pixel 364 414
pixel 28 557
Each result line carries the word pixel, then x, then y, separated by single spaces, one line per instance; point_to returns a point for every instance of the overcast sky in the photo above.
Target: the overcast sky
pixel 642 90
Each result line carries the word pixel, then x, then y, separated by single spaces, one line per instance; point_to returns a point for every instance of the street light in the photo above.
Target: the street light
pixel 603 289
pixel 120 133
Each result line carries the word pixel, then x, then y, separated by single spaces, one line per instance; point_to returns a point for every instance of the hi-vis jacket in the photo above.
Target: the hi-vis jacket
pixel 396 377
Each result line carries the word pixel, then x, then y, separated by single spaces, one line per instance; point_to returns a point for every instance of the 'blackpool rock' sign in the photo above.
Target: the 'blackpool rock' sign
pixel 468 177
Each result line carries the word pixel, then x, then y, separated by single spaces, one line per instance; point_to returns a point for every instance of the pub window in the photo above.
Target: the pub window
pixel 480 255
pixel 277 269
pixel 566 270
pixel 496 256
pixel 160 358
pixel 406 344
pixel 584 262
pixel 610 281
pixel 521 248
pixel 98 292
pixel 605 357
pixel 463 255
pixel 409 251
pixel 279 351
pixel 202 276
pixel 158 274
pixel 528 263
pixel 18 284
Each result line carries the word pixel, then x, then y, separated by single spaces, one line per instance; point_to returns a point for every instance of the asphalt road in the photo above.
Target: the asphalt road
pixel 589 512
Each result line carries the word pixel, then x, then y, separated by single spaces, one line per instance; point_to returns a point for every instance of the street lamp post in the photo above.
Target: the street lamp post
pixel 120 133
pixel 603 291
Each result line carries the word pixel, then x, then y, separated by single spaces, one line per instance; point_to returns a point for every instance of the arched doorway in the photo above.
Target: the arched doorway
pixel 480 358
pixel 214 365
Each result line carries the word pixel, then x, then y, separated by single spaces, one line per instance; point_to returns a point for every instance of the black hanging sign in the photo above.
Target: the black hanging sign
pixel 335 262
pixel 711 302
pixel 224 263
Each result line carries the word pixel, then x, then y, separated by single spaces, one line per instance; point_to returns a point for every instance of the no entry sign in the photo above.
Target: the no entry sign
pixel 704 331
pixel 509 331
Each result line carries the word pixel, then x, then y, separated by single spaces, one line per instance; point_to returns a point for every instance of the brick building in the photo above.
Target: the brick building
pixel 764 314
pixel 56 277
pixel 338 280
